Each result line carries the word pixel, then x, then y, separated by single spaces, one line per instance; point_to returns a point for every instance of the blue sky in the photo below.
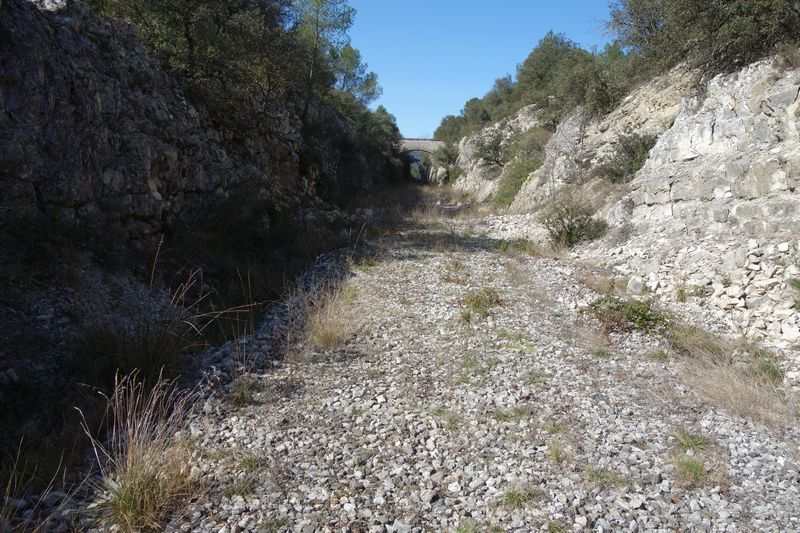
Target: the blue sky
pixel 433 55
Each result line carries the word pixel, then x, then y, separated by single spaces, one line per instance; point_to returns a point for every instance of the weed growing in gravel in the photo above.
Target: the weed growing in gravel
pixel 603 478
pixel 520 497
pixel 554 427
pixel 472 366
pixel 690 441
pixel 473 526
pixel 452 421
pixel 243 486
pixel 556 452
pixel 555 526
pixel 272 525
pixel 455 272
pixel 795 285
pixel 333 318
pixel 765 368
pixel 145 473
pixel 616 314
pixel 481 301
pixel 690 471
pixel 251 462
pixel 601 353
pixel 696 343
pixel 519 247
pixel 659 355
pixel 517 341
pixel 537 377
pixel 243 391
pixel 514 414
pixel 741 378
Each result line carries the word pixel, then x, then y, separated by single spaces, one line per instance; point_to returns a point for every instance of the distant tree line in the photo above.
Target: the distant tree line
pixel 651 36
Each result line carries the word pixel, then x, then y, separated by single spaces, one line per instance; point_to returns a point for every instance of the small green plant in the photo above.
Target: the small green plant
pixel 251 462
pixel 480 302
pixel 690 441
pixel 603 477
pixel 520 247
pixel 681 294
pixel 520 497
pixel 765 368
pixel 554 427
pixel 690 471
pixel 537 377
pixel 554 526
pixel 556 452
pixel 243 486
pixel 616 314
pixel 452 421
pixel 243 391
pixel 468 526
pixel 659 355
pixel 514 414
pixel 601 353
pixel 795 285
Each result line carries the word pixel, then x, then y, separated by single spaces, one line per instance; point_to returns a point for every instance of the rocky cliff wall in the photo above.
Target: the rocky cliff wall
pixel 712 218
pixel 582 144
pixel 480 178
pixel 93 132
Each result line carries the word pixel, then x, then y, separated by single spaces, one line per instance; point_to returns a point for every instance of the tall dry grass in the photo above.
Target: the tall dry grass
pixel 144 470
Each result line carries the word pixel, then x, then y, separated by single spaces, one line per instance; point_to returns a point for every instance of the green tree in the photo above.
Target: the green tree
pixel 322 28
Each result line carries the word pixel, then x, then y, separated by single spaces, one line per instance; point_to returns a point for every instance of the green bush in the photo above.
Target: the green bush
pixel 632 153
pixel 618 315
pixel 515 174
pixel 489 147
pixel 569 221
pixel 716 35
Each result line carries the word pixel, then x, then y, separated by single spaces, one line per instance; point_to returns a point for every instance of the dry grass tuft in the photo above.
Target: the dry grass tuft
pixel 333 319
pixel 17 481
pixel 481 301
pixel 740 392
pixel 145 471
pixel 739 377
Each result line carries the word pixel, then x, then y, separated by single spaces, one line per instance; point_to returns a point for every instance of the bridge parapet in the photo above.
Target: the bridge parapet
pixel 420 145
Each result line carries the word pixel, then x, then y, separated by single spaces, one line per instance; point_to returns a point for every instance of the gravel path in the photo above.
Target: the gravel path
pixel 523 420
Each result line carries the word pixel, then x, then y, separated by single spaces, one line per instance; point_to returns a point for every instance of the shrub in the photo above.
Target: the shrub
pixel 616 314
pixel 569 221
pixel 632 153
pixel 514 177
pixel 446 156
pixel 489 147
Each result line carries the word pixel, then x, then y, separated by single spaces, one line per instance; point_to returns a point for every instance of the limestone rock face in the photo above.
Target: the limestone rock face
pixel 581 144
pixel 93 132
pixel 480 178
pixel 731 161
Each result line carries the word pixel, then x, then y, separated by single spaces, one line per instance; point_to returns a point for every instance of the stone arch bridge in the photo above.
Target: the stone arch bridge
pixel 414 151
pixel 420 145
